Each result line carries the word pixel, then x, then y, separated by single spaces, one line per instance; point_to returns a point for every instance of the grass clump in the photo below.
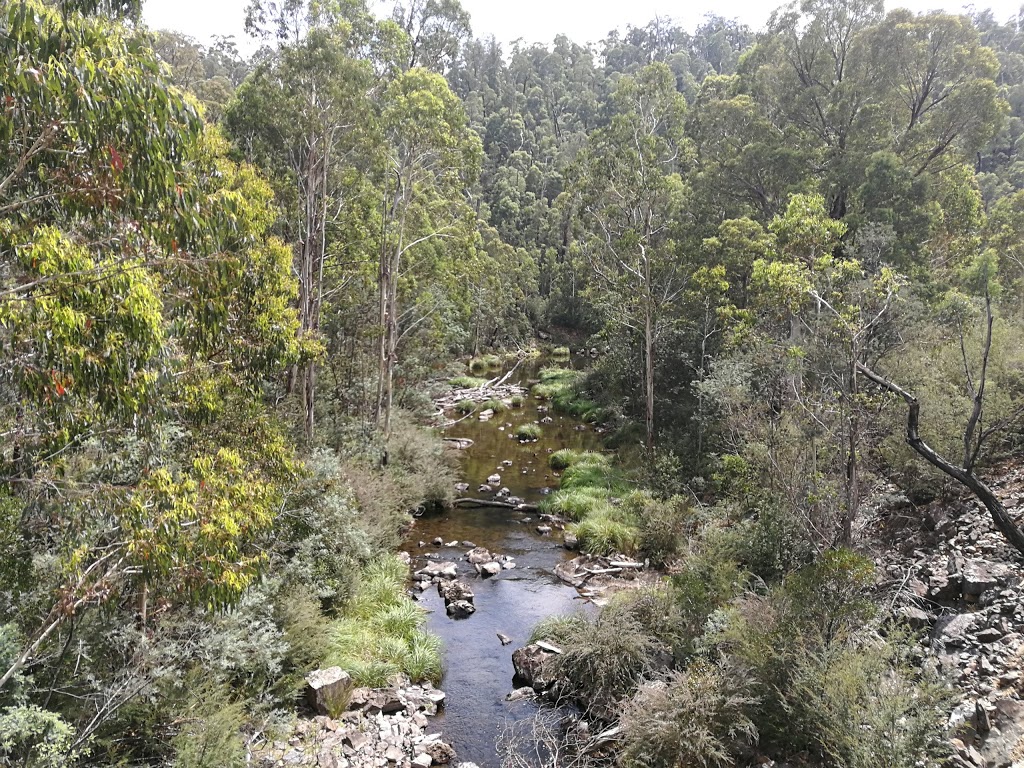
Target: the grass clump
pixel 592 470
pixel 518 401
pixel 600 533
pixel 575 503
pixel 559 628
pixel 529 431
pixel 380 634
pixel 563 458
pixel 465 407
pixel 495 405
pixel 484 364
pixel 467 382
pixel 560 352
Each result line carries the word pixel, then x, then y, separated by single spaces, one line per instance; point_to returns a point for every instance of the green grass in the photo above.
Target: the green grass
pixel 465 407
pixel 380 633
pixel 467 382
pixel 602 534
pixel 575 503
pixel 560 352
pixel 528 431
pixel 485 363
pixel 591 470
pixel 558 628
pixel 563 458
pixel 518 401
pixel 560 386
pixel 494 405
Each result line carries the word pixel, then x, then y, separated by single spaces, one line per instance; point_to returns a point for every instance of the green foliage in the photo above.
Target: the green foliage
pixel 563 457
pixel 604 659
pixel 379 634
pixel 498 406
pixel 559 628
pixel 528 431
pixel 211 735
pixel 30 735
pixel 560 352
pixel 465 407
pixel 575 503
pixel 467 382
pixel 518 401
pixel 661 524
pixel 601 533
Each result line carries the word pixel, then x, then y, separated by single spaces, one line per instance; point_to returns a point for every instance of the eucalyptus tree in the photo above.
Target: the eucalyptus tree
pixel 628 197
pixel 431 157
pixel 144 308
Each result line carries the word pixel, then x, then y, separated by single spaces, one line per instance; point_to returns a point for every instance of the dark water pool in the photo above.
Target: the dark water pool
pixel 478 669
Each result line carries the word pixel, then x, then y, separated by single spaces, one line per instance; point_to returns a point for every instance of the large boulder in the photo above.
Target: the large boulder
pixel 489 569
pixel 478 555
pixel 532 666
pixel 329 690
pixel 440 753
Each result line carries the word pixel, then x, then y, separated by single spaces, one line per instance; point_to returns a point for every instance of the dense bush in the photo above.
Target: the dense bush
pixel 693 719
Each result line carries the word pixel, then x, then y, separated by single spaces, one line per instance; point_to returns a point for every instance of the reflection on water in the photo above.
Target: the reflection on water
pixel 478 669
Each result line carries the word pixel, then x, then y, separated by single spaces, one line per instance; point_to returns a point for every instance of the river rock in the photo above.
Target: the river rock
pixel 442 570
pixel 329 690
pixel 543 530
pixel 503 492
pixel 453 591
pixel 440 752
pixel 486 415
pixel 438 541
pixel 422 761
pixel 494 480
pixel 529 663
pixel 570 541
pixel 469 544
pixel 484 489
pixel 460 609
pixel 461 487
pixel 478 555
pixel 505 639
pixel 490 569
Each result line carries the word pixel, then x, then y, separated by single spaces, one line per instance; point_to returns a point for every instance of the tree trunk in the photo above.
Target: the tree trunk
pixel 649 375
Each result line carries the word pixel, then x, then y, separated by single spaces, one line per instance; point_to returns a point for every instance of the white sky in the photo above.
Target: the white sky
pixel 532 20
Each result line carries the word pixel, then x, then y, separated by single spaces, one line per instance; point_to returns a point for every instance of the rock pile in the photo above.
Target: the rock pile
pixel 381 728
pixel 458 596
pixel 949 573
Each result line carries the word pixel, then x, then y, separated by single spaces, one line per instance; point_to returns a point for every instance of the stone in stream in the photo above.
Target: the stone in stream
pixel 486 415
pixel 453 591
pixel 570 541
pixel 484 489
pixel 422 761
pixel 440 570
pixel 461 487
pixel 503 492
pixel 460 609
pixel 478 555
pixel 489 569
pixel 507 463
pixel 505 639
pixel 494 479
pixel 469 544
pixel 543 530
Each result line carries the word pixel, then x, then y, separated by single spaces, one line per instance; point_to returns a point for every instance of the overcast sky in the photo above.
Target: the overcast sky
pixel 531 20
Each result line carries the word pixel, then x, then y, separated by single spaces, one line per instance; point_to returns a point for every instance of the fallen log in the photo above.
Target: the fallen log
pixel 494 503
pixel 461 442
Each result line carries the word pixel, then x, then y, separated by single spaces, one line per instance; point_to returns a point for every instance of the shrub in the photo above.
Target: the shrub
pixel 518 401
pixel 601 534
pixel 604 659
pixel 561 352
pixel 528 431
pixel 661 524
pixel 465 407
pixel 692 720
pixel 478 365
pixel 563 458
pixel 211 731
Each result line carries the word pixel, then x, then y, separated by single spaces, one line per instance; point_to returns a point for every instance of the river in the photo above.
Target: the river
pixel 478 669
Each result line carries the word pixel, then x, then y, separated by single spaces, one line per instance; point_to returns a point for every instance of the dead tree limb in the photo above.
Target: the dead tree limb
pixel 963 475
pixel 494 503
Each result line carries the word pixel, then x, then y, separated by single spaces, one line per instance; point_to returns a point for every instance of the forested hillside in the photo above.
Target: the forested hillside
pixel 235 292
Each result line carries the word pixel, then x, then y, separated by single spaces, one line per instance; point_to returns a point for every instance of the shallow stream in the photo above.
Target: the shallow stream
pixel 478 669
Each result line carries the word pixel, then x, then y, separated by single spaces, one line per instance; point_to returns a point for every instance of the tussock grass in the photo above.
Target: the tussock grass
pixel 560 352
pixel 601 534
pixel 465 407
pixel 467 382
pixel 528 432
pixel 575 503
pixel 565 457
pixel 518 401
pixel 559 628
pixel 495 405
pixel 380 633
